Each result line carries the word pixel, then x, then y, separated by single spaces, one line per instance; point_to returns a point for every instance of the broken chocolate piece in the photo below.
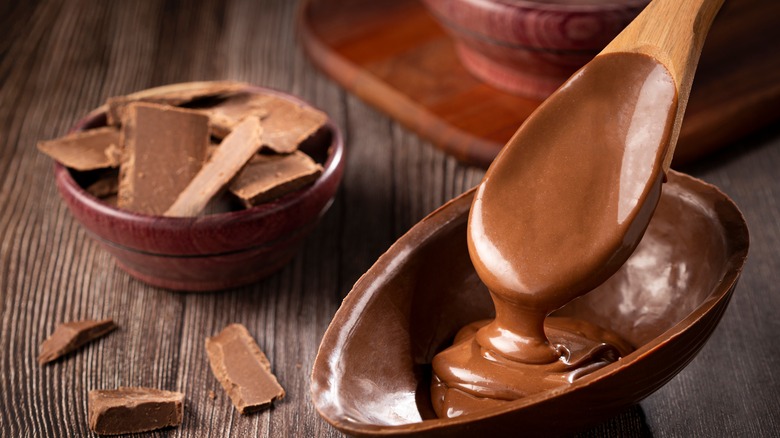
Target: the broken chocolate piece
pixel 268 177
pixel 285 123
pixel 164 149
pixel 70 336
pixel 107 185
pixel 242 369
pixel 226 161
pixel 86 150
pixel 289 124
pixel 226 115
pixel 175 94
pixel 131 410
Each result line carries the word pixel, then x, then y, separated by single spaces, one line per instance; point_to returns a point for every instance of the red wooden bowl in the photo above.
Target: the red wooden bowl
pixel 215 251
pixel 372 373
pixel 530 47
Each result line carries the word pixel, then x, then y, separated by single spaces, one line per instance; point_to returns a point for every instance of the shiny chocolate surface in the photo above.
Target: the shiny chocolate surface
pixel 372 374
pixel 558 212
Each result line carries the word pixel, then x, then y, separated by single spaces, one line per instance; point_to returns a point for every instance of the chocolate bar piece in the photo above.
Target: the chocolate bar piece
pixel 289 124
pixel 70 336
pixel 285 123
pixel 225 162
pixel 242 369
pixel 86 150
pixel 267 177
pixel 226 115
pixel 175 94
pixel 131 410
pixel 107 185
pixel 164 149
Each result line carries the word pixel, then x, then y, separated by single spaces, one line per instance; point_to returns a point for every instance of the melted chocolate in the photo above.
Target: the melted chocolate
pixel 559 211
pixel 665 300
pixel 583 348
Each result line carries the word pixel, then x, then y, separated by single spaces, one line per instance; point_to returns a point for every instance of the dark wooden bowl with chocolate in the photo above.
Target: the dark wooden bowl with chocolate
pixel 227 229
pixel 372 375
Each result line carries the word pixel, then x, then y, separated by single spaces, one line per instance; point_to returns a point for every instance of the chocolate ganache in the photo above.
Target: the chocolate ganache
pixel 559 211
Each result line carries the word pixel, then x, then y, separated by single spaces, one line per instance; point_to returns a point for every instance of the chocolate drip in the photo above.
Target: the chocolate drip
pixel 560 210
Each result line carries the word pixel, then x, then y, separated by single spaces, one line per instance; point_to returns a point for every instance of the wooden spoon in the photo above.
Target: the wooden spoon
pixel 675 43
pixel 568 198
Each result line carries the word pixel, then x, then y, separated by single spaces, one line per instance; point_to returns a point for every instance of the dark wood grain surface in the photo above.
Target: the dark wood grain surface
pixel 60 59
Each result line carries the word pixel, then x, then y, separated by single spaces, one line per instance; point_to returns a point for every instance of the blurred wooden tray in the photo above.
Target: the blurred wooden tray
pixel 393 55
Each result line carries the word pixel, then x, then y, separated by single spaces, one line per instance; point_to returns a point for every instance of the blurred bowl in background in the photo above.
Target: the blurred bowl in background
pixel 530 47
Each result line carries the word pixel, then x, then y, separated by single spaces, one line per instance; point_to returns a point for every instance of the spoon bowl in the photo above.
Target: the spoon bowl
pixel 372 374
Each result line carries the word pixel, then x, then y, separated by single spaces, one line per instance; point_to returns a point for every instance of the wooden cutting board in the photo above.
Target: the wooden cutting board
pixel 393 55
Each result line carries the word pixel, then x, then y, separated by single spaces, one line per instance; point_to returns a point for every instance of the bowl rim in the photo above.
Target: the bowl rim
pixel 332 167
pixel 501 32
pixel 542 6
pixel 730 218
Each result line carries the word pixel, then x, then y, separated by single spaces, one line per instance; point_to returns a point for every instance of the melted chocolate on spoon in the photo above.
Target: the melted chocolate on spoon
pixel 558 212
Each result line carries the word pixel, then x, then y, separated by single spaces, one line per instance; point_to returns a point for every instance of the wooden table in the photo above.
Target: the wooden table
pixel 60 59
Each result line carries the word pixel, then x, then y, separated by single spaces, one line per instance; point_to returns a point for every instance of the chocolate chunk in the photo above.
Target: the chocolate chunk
pixel 86 150
pixel 226 115
pixel 70 336
pixel 131 410
pixel 288 124
pixel 164 149
pixel 225 162
pixel 285 123
pixel 106 186
pixel 176 94
pixel 268 177
pixel 242 369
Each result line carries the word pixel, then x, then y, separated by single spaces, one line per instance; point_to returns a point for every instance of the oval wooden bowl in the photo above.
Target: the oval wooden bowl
pixel 215 251
pixel 371 376
pixel 530 47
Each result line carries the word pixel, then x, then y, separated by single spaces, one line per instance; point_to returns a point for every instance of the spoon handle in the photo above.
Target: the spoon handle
pixel 672 32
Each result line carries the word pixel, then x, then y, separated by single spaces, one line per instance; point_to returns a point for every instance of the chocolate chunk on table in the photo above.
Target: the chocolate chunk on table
pixel 242 369
pixel 86 150
pixel 267 177
pixel 225 162
pixel 164 148
pixel 130 410
pixel 70 336
pixel 175 94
